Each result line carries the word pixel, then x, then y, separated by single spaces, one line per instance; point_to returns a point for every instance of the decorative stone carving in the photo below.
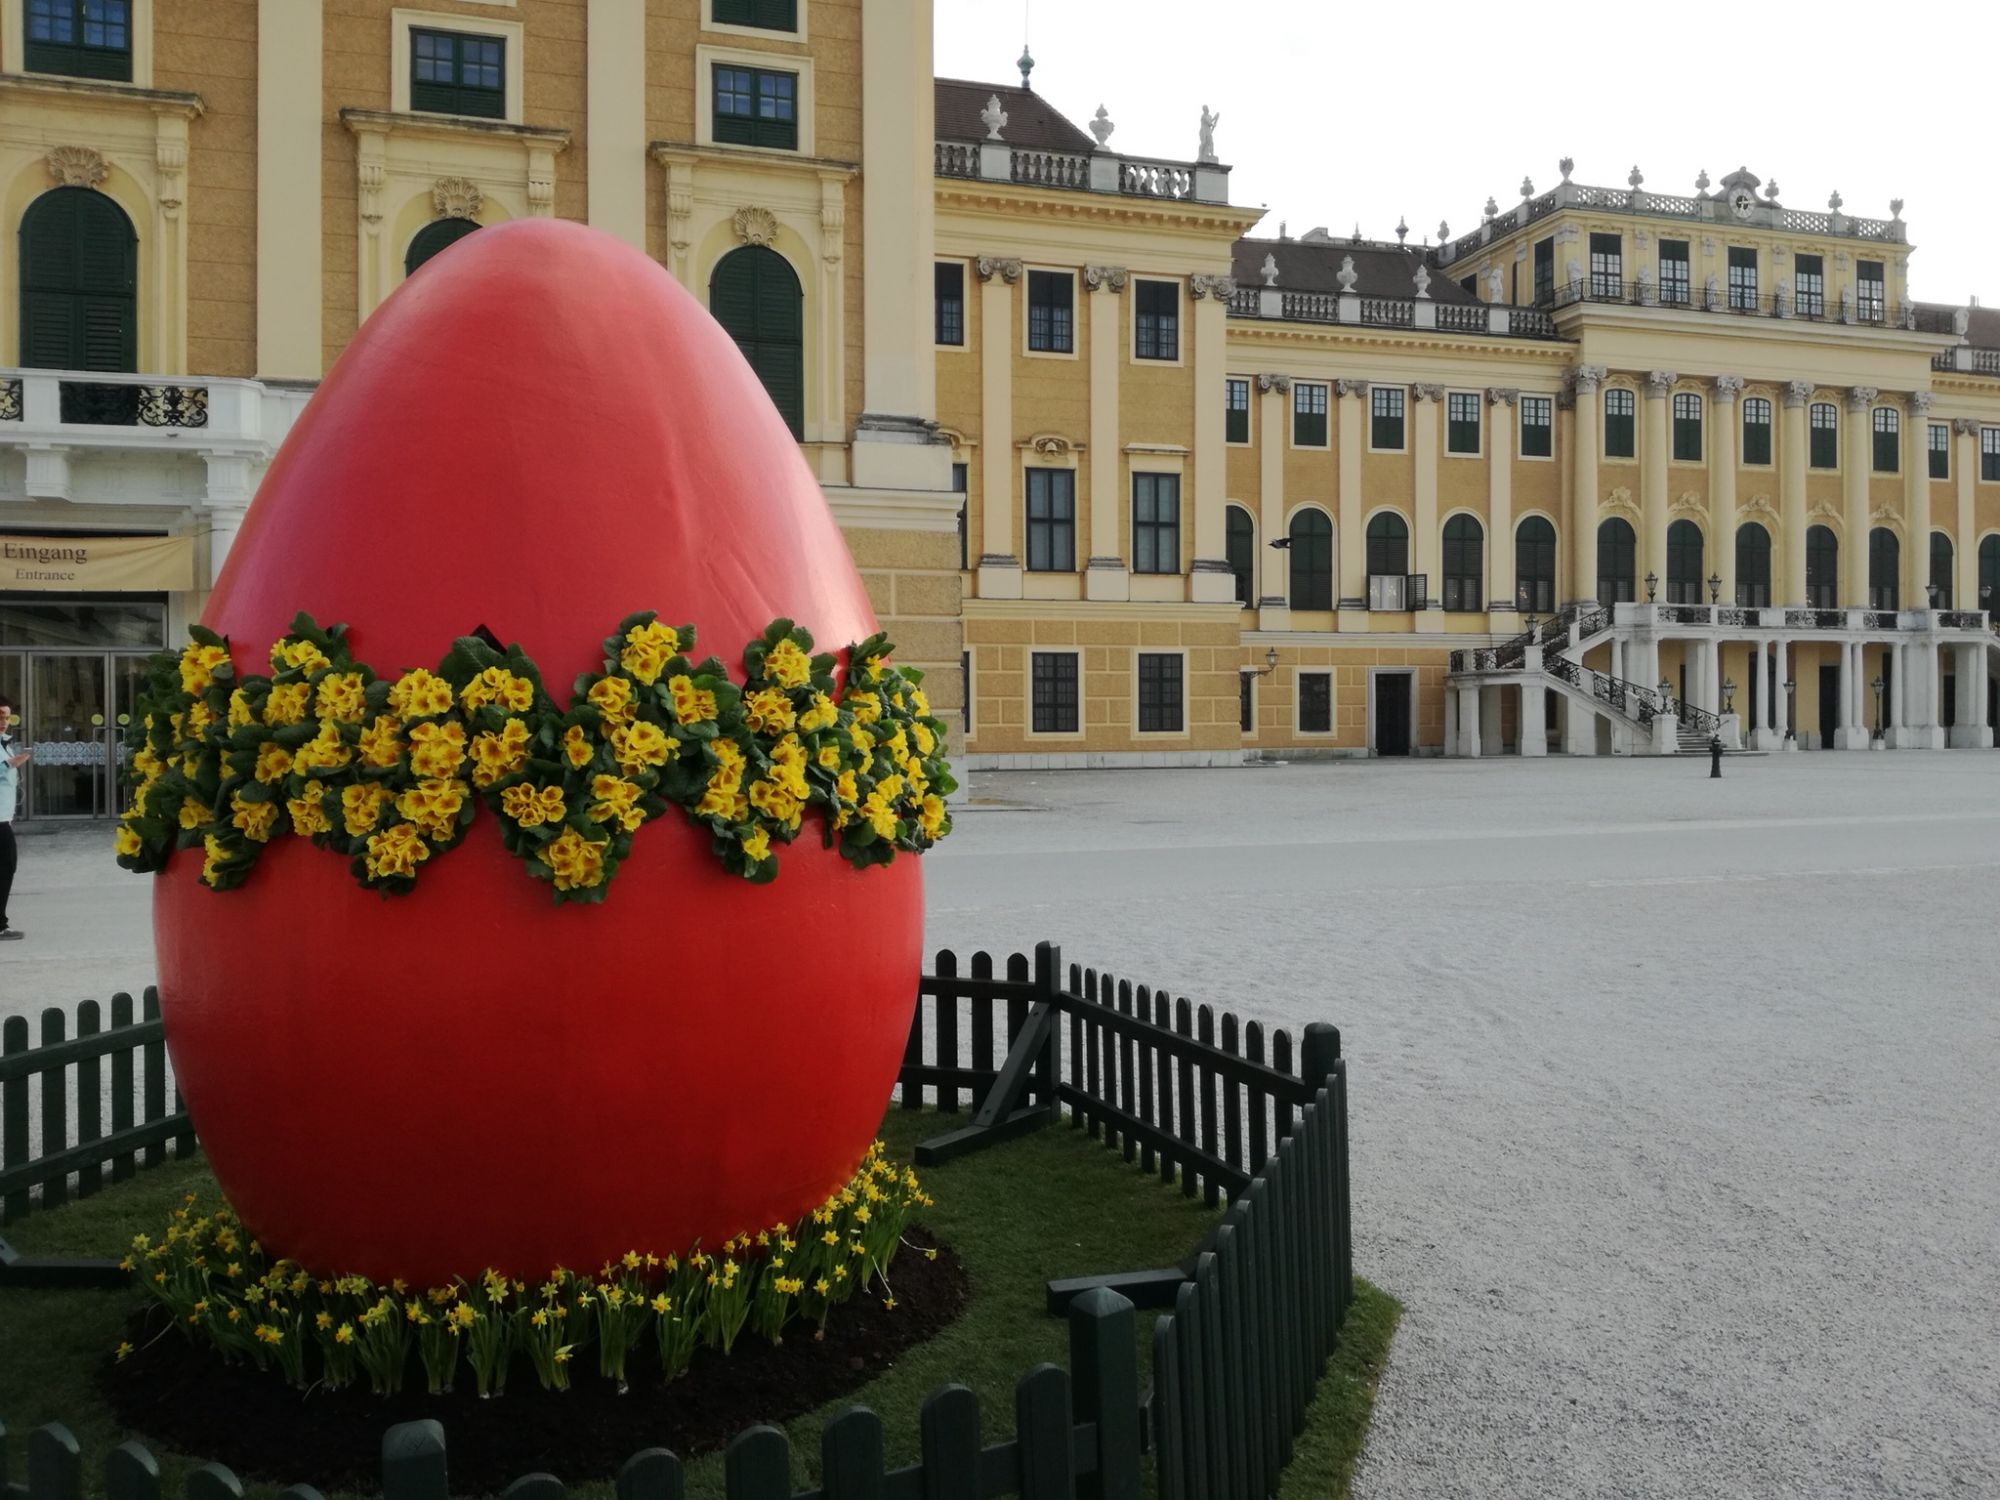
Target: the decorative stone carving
pixel 1101 127
pixel 542 187
pixel 1521 253
pixel 1728 387
pixel 1797 392
pixel 1274 382
pixel 1576 276
pixel 1346 275
pixel 371 175
pixel 1565 398
pixel 1757 505
pixel 1495 284
pixel 77 166
pixel 1965 426
pixel 1920 404
pixel 1351 387
pixel 1659 383
pixel 1826 513
pixel 1687 503
pixel 1635 176
pixel 1427 392
pixel 1711 294
pixel 1961 320
pixel 1861 397
pixel 1648 296
pixel 755 226
pixel 988 266
pixel 1209 121
pixel 1269 270
pixel 1781 300
pixel 1886 515
pixel 1444 231
pixel 1502 395
pixel 1527 187
pixel 1701 184
pixel 1105 278
pixel 1568 165
pixel 171 157
pixel 10 400
pixel 1052 445
pixel 1586 379
pixel 1620 499
pixel 1847 304
pixel 1220 287
pixel 1895 210
pixel 1423 281
pixel 1569 234
pixel 456 198
pixel 993 117
pixel 1492 208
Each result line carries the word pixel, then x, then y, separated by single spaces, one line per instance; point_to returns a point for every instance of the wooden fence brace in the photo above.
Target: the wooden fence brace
pixel 1004 1115
pixel 1104 1371
pixel 55 1464
pixel 949 1441
pixel 534 1487
pixel 413 1462
pixel 651 1474
pixel 130 1473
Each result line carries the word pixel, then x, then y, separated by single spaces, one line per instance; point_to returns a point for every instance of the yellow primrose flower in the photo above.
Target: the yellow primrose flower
pixel 274 762
pixel 692 705
pixel 640 745
pixel 930 817
pixel 418 694
pixel 612 698
pixel 496 756
pixel 215 856
pixel 498 685
pixel 647 650
pixel 531 806
pixel 433 806
pixel 769 711
pixel 828 756
pixel 437 750
pixel 239 716
pixel 361 807
pixel 340 697
pixel 396 850
pixel 308 810
pixel 866 707
pixel 756 845
pixel 576 748
pixel 788 666
pixel 577 863
pixel 822 714
pixel 382 742
pixel 286 703
pixel 198 664
pixel 325 750
pixel 303 656
pixel 127 842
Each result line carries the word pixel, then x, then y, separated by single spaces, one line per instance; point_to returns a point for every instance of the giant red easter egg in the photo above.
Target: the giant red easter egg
pixel 540 432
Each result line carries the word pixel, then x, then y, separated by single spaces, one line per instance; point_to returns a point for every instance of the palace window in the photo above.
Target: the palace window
pixel 1940 450
pixel 1052 676
pixel 1157 319
pixel 1822 567
pixel 1246 702
pixel 1545 271
pixel 949 303
pixel 1538 416
pixel 765 15
pixel 1753 566
pixel 1989 453
pixel 1535 566
pixel 80 38
pixel 1809 285
pixel 1308 415
pixel 1156 523
pixel 1464 563
pixel 1052 520
pixel 1052 312
pixel 1823 430
pixel 1742 278
pixel 456 73
pixel 433 237
pixel 1888 439
pixel 1674 282
pixel 1315 702
pixel 1617 561
pixel 1756 430
pixel 755 295
pixel 959 475
pixel 1385 422
pixel 1687 427
pixel 1870 295
pixel 1388 545
pixel 756 107
pixel 1160 709
pixel 1940 579
pixel 1236 411
pixel 1885 560
pixel 79 283
pixel 1239 546
pixel 1619 409
pixel 1461 422
pixel 1989 574
pixel 1311 558
pixel 1684 584
pixel 1607 266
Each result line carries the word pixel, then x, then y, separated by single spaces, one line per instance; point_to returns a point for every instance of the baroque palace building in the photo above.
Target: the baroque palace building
pixel 1613 471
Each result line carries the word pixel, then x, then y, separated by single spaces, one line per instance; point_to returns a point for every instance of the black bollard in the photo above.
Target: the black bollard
pixel 1715 757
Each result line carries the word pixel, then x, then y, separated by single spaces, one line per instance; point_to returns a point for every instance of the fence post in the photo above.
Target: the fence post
pixel 130 1473
pixel 55 1109
pixel 413 1462
pixel 55 1466
pixel 1048 987
pixel 949 1429
pixel 1319 1053
pixel 1104 1363
pixel 651 1474
pixel 757 1465
pixel 13 1116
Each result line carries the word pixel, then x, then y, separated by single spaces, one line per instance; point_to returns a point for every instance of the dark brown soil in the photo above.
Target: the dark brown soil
pixel 185 1398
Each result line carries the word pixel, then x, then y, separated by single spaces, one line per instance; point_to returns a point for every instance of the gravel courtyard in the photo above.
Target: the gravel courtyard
pixel 1675 1100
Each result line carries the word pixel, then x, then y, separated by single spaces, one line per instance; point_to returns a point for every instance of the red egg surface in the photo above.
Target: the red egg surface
pixel 540 432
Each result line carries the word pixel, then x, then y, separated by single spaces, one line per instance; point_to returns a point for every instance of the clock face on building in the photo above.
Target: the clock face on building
pixel 1741 202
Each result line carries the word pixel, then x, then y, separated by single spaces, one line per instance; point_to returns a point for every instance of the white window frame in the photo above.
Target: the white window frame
pixel 1187 716
pixel 1292 411
pixel 403 22
pixel 1332 704
pixel 14 42
pixel 1521 428
pixel 1182 324
pixel 730 28
pixel 1075 350
pixel 1385 389
pixel 707 55
pixel 1249 411
pixel 1028 730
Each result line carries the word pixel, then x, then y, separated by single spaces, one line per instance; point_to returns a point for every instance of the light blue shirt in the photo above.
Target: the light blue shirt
pixel 10 779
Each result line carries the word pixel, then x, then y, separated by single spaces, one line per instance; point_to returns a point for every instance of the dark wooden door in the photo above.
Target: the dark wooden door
pixel 1392 713
pixel 1829 704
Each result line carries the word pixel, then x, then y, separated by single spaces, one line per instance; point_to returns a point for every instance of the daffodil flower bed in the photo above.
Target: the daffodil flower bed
pixel 389 772
pixel 219 1288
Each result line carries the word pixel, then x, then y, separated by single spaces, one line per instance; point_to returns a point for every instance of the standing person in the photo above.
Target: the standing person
pixel 11 761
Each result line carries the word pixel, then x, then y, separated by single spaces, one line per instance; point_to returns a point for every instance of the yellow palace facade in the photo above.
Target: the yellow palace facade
pixel 1610 471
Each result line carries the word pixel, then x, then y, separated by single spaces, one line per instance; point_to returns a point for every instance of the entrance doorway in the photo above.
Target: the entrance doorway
pixel 1829 704
pixel 1390 730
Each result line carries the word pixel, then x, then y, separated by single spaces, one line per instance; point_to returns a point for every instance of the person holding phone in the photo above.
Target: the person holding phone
pixel 11 761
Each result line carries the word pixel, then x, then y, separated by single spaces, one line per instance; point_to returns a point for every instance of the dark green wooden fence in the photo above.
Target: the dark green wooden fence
pixel 1076 1436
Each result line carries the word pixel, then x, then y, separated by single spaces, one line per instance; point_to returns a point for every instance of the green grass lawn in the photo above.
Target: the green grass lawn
pixel 1052 1204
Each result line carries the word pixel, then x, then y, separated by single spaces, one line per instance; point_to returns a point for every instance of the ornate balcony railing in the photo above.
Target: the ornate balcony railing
pixel 1880 619
pixel 1155 179
pixel 1810 308
pixel 1961 619
pixel 1310 307
pixel 955 159
pixel 1459 317
pixel 1057 169
pixel 10 400
pixel 1968 361
pixel 1243 302
pixel 1389 312
pixel 1532 323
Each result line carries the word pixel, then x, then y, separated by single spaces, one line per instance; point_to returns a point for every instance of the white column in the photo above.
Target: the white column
pixel 1722 444
pixel 1534 719
pixel 1618 657
pixel 898 222
pixel 1899 689
pixel 1106 575
pixel 1426 415
pixel 999 563
pixel 1780 675
pixel 1854 471
pixel 1711 675
pixel 1653 450
pixel 1579 729
pixel 1468 721
pixel 1490 732
pixel 1451 746
pixel 1843 731
pixel 1789 586
pixel 1581 541
pixel 1917 503
pixel 1273 433
pixel 1500 581
pixel 1211 582
pixel 1350 557
pixel 290 37
pixel 1964 470
pixel 614 64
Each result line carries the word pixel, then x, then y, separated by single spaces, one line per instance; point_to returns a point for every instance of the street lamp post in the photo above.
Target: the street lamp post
pixel 1877 685
pixel 1729 695
pixel 1791 713
pixel 1715 588
pixel 1652 585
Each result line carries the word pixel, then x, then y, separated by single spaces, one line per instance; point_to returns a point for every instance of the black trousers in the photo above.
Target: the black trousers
pixel 7 862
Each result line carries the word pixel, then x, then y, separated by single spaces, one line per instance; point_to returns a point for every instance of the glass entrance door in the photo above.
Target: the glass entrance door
pixel 70 776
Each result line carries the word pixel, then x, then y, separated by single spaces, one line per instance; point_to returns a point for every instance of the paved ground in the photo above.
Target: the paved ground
pixel 1674 1099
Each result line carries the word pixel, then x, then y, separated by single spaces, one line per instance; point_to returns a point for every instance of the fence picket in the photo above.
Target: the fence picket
pixel 757 1465
pixel 212 1482
pixel 1081 985
pixel 1259 1101
pixel 55 1109
pixel 1143 1062
pixel 1168 1430
pixel 1205 1033
pixel 1042 1433
pixel 944 968
pixel 55 1465
pixel 1293 1294
pixel 1048 988
pixel 982 1049
pixel 652 1474
pixel 121 1086
pixel 413 1462
pixel 850 1456
pixel 948 1431
pixel 130 1473
pixel 1232 1099
pixel 1191 1336
pixel 1164 1090
pixel 153 1073
pixel 1127 1092
pixel 1092 1062
pixel 1281 1060
pixel 89 1098
pixel 1104 1370
pixel 1184 1027
pixel 534 1487
pixel 13 1116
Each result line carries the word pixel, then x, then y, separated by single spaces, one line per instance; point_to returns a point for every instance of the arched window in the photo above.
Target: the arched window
pixel 79 283
pixel 1240 546
pixel 1989 574
pixel 1941 570
pixel 1822 567
pixel 1617 554
pixel 1388 544
pixel 1464 563
pixel 433 237
pixel 1684 563
pixel 1535 566
pixel 1312 560
pixel 1885 556
pixel 754 294
pixel 1753 566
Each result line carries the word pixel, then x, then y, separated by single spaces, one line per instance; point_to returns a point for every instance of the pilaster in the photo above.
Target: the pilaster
pixel 1916 461
pixel 1723 441
pixel 1273 401
pixel 1350 396
pixel 614 61
pixel 1211 581
pixel 1964 473
pixel 290 36
pixel 898 222
pixel 1854 471
pixel 1108 575
pixel 1791 581
pixel 999 564
pixel 1426 412
pixel 1653 452
pixel 1584 383
pixel 1500 582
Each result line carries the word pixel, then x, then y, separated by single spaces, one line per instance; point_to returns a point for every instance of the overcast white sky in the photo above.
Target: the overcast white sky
pixel 1334 111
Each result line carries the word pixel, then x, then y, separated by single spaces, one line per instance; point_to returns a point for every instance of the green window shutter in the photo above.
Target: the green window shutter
pixel 755 296
pixel 79 275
